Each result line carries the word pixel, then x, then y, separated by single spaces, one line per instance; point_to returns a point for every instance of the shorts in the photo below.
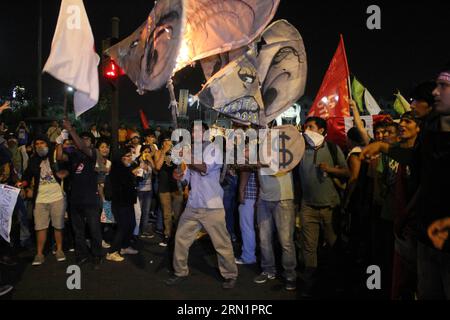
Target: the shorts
pixel 44 212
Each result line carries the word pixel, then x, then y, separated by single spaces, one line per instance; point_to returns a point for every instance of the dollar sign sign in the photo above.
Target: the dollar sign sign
pixel 284 163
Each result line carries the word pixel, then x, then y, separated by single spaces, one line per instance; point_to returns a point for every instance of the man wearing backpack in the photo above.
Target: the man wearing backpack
pixel 321 163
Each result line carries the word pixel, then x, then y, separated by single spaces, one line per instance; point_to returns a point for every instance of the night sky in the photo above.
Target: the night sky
pixel 412 45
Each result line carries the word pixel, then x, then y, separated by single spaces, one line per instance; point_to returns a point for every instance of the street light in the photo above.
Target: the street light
pixel 69 89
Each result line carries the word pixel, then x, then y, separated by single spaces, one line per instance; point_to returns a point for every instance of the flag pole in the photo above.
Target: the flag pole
pixel 65 103
pixel 173 103
pixel 348 71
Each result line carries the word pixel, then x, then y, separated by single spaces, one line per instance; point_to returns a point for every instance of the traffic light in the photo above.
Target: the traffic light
pixel 111 70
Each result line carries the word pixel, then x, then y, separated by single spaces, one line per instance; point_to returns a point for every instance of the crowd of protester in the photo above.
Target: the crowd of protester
pixel 379 201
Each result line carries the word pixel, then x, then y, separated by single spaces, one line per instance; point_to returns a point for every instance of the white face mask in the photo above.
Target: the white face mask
pixel 313 139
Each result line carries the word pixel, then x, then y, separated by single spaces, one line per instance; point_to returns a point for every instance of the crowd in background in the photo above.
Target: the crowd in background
pixel 379 201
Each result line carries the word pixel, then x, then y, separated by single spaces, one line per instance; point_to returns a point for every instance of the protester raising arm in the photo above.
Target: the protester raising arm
pixel 160 155
pixel 358 123
pixel 77 140
pixel 5 106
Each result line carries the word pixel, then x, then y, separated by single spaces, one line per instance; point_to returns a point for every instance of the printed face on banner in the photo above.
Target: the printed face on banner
pixel 148 56
pixel 282 68
pixel 234 91
pixel 180 32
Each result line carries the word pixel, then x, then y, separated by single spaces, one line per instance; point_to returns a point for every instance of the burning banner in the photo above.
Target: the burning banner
pixel 148 56
pixel 180 32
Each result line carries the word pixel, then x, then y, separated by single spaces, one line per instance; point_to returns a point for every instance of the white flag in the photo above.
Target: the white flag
pixel 371 105
pixel 73 59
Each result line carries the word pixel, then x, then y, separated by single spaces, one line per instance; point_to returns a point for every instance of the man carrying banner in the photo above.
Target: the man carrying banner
pixel 204 208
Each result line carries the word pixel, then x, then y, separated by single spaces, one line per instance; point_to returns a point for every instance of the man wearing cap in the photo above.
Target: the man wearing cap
pixel 423 99
pixel 135 144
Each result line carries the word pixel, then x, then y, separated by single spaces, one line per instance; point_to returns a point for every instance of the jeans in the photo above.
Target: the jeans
pixel 124 216
pixel 90 214
pixel 433 273
pixel 145 198
pixel 279 215
pixel 247 224
pixel 229 202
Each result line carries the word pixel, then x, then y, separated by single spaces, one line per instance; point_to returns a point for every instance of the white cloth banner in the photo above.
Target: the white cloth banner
pixel 8 199
pixel 73 59
pixel 371 105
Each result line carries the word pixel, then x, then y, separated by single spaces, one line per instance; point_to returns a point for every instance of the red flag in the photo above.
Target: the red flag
pixel 332 99
pixel 144 120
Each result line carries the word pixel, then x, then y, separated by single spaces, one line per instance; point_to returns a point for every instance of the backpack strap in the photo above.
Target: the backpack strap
pixel 333 151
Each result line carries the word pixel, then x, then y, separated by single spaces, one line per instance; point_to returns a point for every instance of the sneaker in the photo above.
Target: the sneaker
pixel 229 283
pixel 164 242
pixel 38 260
pixel 60 256
pixel 115 256
pixel 291 285
pixel 128 250
pixel 105 245
pixel 263 277
pixel 174 280
pixel 5 289
pixel 240 261
pixel 147 235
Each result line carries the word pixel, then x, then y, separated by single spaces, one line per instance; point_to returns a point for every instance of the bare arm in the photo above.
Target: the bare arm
pixel 159 160
pixel 358 122
pixel 60 156
pixel 354 164
pixel 374 149
pixel 76 139
pixel 202 168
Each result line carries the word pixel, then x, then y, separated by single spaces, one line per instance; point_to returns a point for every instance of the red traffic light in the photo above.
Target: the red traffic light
pixel 111 70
